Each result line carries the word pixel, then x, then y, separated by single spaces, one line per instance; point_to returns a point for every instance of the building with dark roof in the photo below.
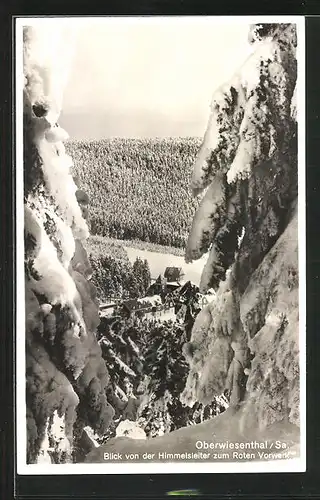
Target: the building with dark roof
pixel 174 274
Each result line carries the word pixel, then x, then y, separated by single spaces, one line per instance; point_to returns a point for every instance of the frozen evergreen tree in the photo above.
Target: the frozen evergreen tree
pixel 141 272
pixel 247 222
pixel 122 345
pixel 115 276
pixel 66 377
pixel 165 371
pixel 146 276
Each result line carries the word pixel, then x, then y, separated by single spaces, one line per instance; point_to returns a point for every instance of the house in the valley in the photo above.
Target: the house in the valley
pixel 174 275
pixel 158 287
pixel 145 307
pixel 168 283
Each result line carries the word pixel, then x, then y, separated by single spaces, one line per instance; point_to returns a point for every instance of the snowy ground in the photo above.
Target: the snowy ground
pixel 158 263
pixel 221 429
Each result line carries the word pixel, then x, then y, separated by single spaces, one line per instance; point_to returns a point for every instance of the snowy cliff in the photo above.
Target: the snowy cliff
pixel 245 341
pixel 66 375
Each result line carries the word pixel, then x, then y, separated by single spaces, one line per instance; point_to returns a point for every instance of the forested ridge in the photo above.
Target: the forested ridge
pixel 143 187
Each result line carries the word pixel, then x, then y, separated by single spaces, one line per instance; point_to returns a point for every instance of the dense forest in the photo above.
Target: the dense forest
pixel 148 372
pixel 118 278
pixel 113 275
pixel 138 188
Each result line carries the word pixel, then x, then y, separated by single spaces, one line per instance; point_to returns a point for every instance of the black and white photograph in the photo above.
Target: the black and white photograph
pixel 160 244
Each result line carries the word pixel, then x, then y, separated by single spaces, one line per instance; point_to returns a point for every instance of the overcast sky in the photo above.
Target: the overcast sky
pixel 149 76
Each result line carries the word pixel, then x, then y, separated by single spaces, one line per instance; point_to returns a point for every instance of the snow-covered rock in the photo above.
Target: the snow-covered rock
pixel 130 429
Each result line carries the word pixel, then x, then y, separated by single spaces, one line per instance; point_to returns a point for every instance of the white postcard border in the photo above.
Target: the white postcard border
pixel 290 465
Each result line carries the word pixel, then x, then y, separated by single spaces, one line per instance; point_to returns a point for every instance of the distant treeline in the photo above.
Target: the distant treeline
pixel 138 188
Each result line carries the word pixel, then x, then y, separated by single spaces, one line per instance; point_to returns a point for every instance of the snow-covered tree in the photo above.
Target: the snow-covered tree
pixel 142 274
pixel 122 346
pixel 122 343
pixel 66 377
pixel 165 370
pixel 114 276
pixel 245 341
